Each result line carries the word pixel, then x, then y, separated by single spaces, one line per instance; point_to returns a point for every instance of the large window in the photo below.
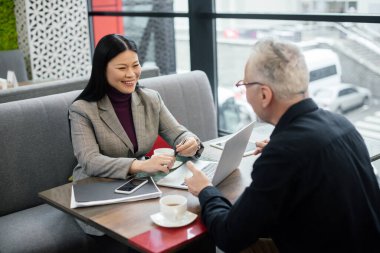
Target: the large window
pixel 298 6
pixel 162 41
pixel 336 53
pixel 340 40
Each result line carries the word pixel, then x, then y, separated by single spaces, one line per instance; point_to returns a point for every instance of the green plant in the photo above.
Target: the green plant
pixel 8 32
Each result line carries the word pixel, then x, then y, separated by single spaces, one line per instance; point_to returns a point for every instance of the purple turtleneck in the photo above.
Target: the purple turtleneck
pixel 122 106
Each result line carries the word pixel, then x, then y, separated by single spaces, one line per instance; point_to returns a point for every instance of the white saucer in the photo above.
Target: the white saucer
pixel 160 220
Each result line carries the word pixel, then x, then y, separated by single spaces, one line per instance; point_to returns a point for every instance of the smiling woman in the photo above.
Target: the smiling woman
pixel 115 122
pixel 123 71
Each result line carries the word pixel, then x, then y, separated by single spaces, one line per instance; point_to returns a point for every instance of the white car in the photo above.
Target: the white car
pixel 341 97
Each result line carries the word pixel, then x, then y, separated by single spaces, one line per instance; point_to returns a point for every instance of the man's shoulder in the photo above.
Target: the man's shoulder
pixel 309 132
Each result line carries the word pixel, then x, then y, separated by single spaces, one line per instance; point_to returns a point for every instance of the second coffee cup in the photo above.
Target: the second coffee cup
pixel 173 207
pixel 164 151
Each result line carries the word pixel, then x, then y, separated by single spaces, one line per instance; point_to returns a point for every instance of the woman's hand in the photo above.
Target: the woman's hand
pixel 260 145
pixel 188 147
pixel 156 163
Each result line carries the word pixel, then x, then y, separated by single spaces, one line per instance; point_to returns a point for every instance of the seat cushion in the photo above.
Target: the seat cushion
pixel 42 229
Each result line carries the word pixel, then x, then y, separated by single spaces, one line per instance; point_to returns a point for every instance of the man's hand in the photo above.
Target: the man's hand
pixel 198 181
pixel 260 145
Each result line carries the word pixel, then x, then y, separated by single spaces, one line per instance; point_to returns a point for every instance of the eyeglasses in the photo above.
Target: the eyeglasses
pixel 241 83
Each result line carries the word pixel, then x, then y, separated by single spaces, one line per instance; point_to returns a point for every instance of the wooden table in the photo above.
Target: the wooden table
pixel 130 223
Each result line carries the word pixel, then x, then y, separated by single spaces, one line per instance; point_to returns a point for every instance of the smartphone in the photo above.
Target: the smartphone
pixel 131 185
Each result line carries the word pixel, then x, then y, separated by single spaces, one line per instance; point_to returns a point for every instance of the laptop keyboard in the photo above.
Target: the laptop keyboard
pixel 209 170
pixel 211 154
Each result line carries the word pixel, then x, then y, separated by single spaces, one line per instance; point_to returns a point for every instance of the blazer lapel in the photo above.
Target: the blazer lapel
pixel 139 120
pixel 108 115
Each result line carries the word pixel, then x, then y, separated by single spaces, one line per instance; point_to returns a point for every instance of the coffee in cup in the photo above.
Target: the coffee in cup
pixel 173 207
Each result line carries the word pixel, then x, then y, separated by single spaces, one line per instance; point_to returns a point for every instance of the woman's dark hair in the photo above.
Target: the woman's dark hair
pixel 107 48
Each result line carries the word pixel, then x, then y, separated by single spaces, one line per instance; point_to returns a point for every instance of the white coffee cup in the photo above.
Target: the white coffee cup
pixel 164 151
pixel 173 207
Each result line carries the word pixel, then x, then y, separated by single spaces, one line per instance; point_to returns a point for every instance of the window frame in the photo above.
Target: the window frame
pixel 202 26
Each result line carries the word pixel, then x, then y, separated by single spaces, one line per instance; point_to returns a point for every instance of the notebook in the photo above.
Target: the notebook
pixel 216 171
pixel 103 193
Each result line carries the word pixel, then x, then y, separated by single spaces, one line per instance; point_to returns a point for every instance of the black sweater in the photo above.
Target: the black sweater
pixel 313 190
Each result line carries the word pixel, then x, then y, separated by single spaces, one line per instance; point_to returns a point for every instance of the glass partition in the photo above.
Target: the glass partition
pixel 343 54
pixel 298 6
pixel 343 60
pixel 140 5
pixel 162 42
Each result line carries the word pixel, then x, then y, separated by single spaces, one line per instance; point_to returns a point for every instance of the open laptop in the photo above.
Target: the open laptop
pixel 216 171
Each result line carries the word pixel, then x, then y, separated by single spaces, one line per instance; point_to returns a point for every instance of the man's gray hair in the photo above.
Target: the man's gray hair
pixel 282 66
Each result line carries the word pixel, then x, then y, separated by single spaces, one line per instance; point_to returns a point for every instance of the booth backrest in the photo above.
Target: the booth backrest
pixel 50 87
pixel 44 88
pixel 189 98
pixel 35 148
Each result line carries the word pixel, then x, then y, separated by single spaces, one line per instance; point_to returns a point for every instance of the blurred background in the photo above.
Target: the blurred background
pixel 340 39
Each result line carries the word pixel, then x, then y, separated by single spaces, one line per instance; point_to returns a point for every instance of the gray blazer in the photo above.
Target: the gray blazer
pixel 100 143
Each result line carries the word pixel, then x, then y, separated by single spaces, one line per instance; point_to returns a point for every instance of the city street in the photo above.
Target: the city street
pixel 367 119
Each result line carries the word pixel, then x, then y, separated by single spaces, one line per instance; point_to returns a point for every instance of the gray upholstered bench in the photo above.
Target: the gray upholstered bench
pixel 36 155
